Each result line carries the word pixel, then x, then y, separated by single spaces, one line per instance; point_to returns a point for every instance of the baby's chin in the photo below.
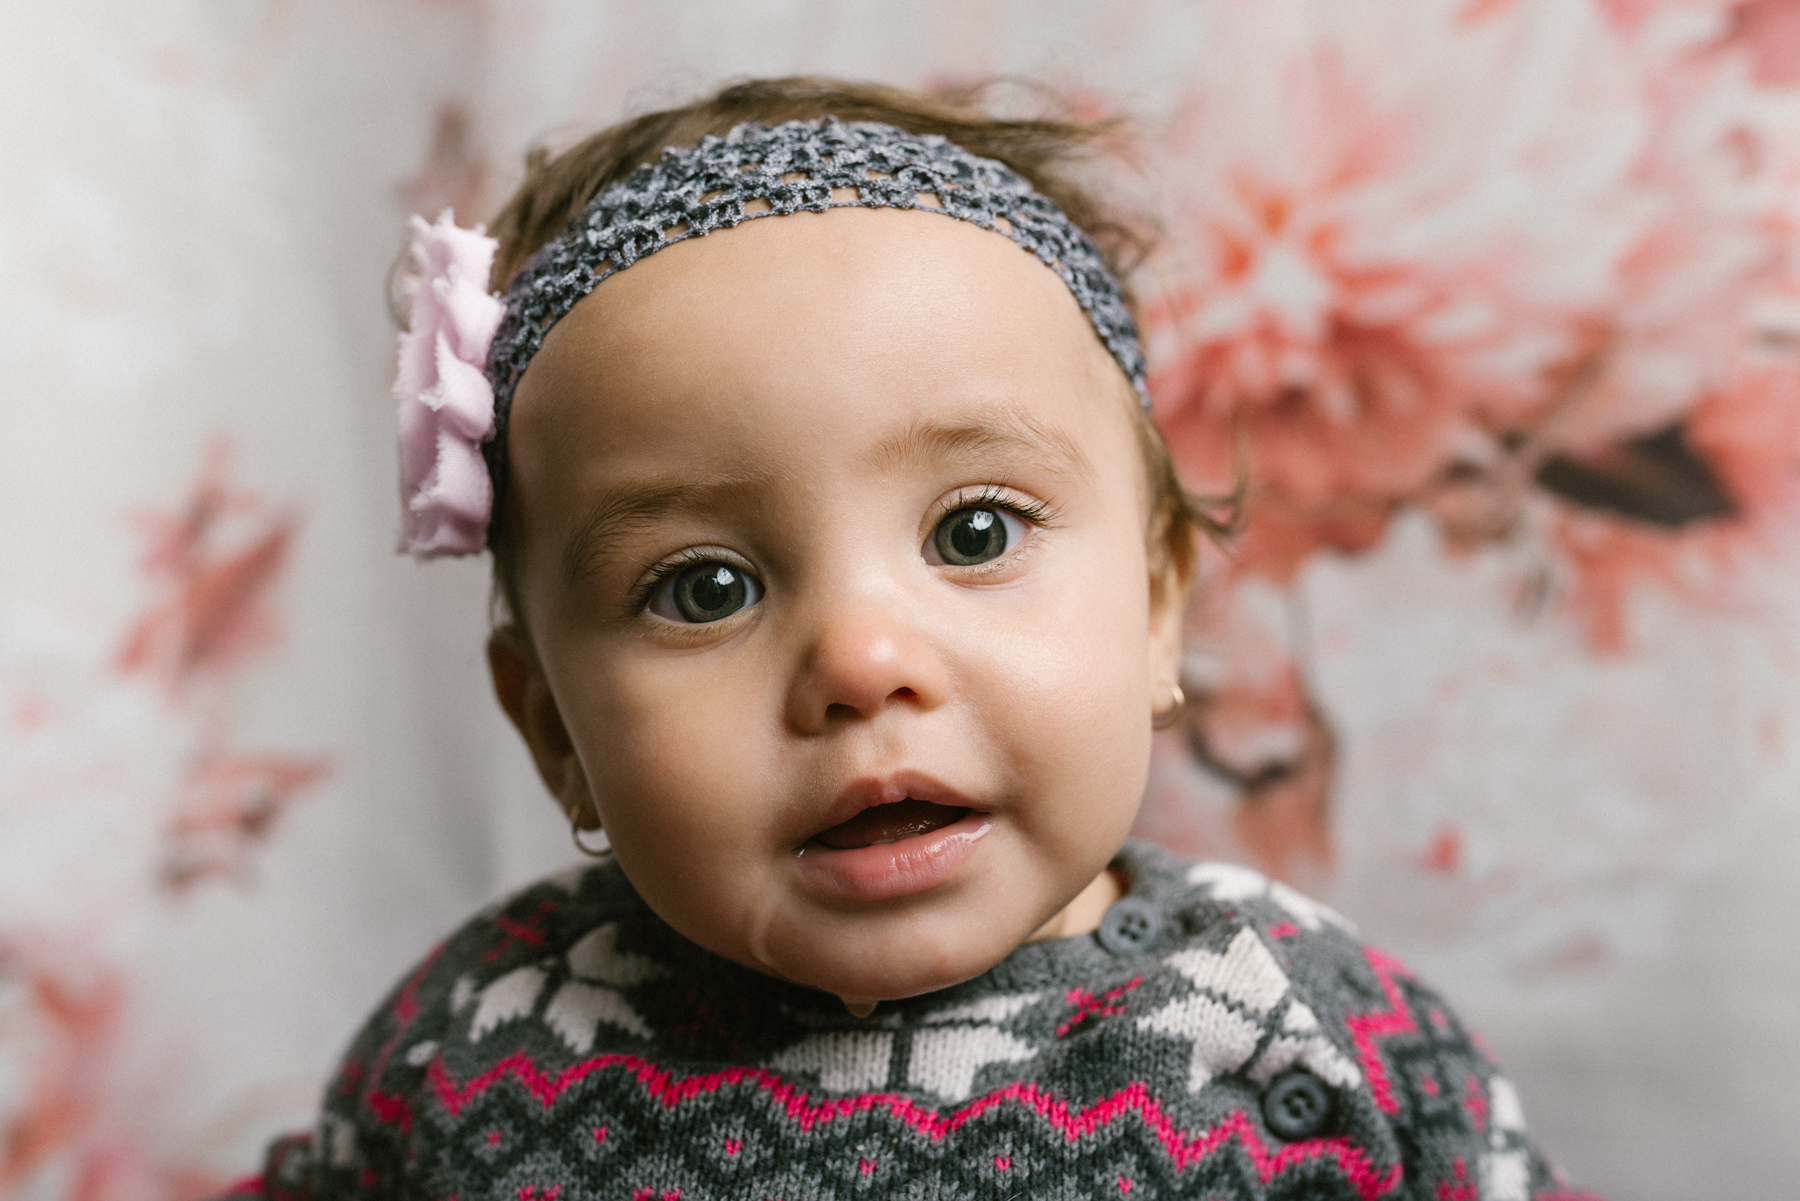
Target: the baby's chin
pixel 885 959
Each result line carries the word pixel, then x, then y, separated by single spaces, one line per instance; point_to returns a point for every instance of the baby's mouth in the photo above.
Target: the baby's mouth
pixel 903 819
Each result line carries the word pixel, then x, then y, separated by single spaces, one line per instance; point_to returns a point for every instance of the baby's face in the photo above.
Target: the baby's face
pixel 832 551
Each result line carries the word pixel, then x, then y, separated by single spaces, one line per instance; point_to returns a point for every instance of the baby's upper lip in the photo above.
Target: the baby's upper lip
pixel 870 791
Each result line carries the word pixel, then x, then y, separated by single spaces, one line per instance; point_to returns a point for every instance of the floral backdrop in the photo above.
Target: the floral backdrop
pixel 1491 306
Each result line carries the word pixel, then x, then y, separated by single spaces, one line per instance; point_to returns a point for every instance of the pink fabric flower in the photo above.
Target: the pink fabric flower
pixel 446 404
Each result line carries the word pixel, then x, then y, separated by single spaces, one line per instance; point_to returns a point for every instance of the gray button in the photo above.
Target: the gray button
pixel 1298 1105
pixel 1130 926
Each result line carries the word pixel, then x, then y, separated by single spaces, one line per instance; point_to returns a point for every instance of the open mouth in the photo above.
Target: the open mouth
pixel 893 837
pixel 906 818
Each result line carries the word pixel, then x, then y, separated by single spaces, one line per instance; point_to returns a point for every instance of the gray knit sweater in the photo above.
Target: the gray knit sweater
pixel 1220 1037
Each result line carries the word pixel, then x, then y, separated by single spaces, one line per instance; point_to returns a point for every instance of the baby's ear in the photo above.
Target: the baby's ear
pixel 1172 567
pixel 525 695
pixel 1168 605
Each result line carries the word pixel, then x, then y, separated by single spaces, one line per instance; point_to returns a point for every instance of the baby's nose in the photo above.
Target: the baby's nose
pixel 861 660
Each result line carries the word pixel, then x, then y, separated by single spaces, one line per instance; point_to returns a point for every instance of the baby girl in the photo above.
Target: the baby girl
pixel 842 573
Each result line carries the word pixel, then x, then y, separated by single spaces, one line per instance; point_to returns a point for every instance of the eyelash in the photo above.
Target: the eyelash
pixel 990 496
pixel 996 496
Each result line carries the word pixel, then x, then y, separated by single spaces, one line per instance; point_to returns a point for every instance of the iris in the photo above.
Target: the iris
pixel 710 592
pixel 970 536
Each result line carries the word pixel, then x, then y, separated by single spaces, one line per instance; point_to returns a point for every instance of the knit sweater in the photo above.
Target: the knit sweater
pixel 1220 1037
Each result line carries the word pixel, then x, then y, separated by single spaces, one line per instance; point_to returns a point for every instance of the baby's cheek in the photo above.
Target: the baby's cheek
pixel 1085 679
pixel 676 824
pixel 1088 742
pixel 669 789
pixel 662 782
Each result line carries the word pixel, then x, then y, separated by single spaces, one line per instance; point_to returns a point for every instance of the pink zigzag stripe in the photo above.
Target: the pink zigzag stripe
pixel 394 1108
pixel 1365 1028
pixel 1369 1181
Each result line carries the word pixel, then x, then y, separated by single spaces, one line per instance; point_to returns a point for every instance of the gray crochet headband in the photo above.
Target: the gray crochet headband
pixel 794 167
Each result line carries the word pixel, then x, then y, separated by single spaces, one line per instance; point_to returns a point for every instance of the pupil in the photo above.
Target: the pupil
pixel 971 536
pixel 710 592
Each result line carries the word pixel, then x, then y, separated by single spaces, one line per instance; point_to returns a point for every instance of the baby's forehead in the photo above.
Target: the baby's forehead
pixel 847 346
pixel 848 301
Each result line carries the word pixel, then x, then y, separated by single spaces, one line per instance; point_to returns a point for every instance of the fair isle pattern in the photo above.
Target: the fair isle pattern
pixel 567 1045
pixel 772 171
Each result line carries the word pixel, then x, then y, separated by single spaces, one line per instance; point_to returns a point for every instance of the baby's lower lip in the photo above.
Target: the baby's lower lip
pixel 878 856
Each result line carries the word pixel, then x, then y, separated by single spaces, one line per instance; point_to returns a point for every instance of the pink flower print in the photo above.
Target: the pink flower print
pixel 229 801
pixel 1770 31
pixel 212 564
pixel 1357 314
pixel 73 1008
pixel 1748 436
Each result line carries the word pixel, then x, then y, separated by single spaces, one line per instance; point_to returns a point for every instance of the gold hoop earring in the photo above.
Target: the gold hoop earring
pixel 584 848
pixel 574 817
pixel 1162 721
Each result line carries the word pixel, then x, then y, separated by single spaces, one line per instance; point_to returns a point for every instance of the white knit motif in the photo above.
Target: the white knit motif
pixel 943 1056
pixel 1230 882
pixel 1506 1176
pixel 1504 1111
pixel 511 996
pixel 597 958
pixel 1237 1002
pixel 577 1010
pixel 844 1062
pixel 946 1059
pixel 1505 1172
pixel 988 1009
pixel 580 1005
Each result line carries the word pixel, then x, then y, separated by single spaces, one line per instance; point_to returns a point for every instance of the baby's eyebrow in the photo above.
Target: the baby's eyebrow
pixel 1003 439
pixel 619 509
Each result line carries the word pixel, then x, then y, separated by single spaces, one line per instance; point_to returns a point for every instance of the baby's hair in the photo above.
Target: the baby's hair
pixel 1047 151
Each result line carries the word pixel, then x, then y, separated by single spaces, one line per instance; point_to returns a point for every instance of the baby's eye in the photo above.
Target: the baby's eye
pixel 705 592
pixel 977 534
